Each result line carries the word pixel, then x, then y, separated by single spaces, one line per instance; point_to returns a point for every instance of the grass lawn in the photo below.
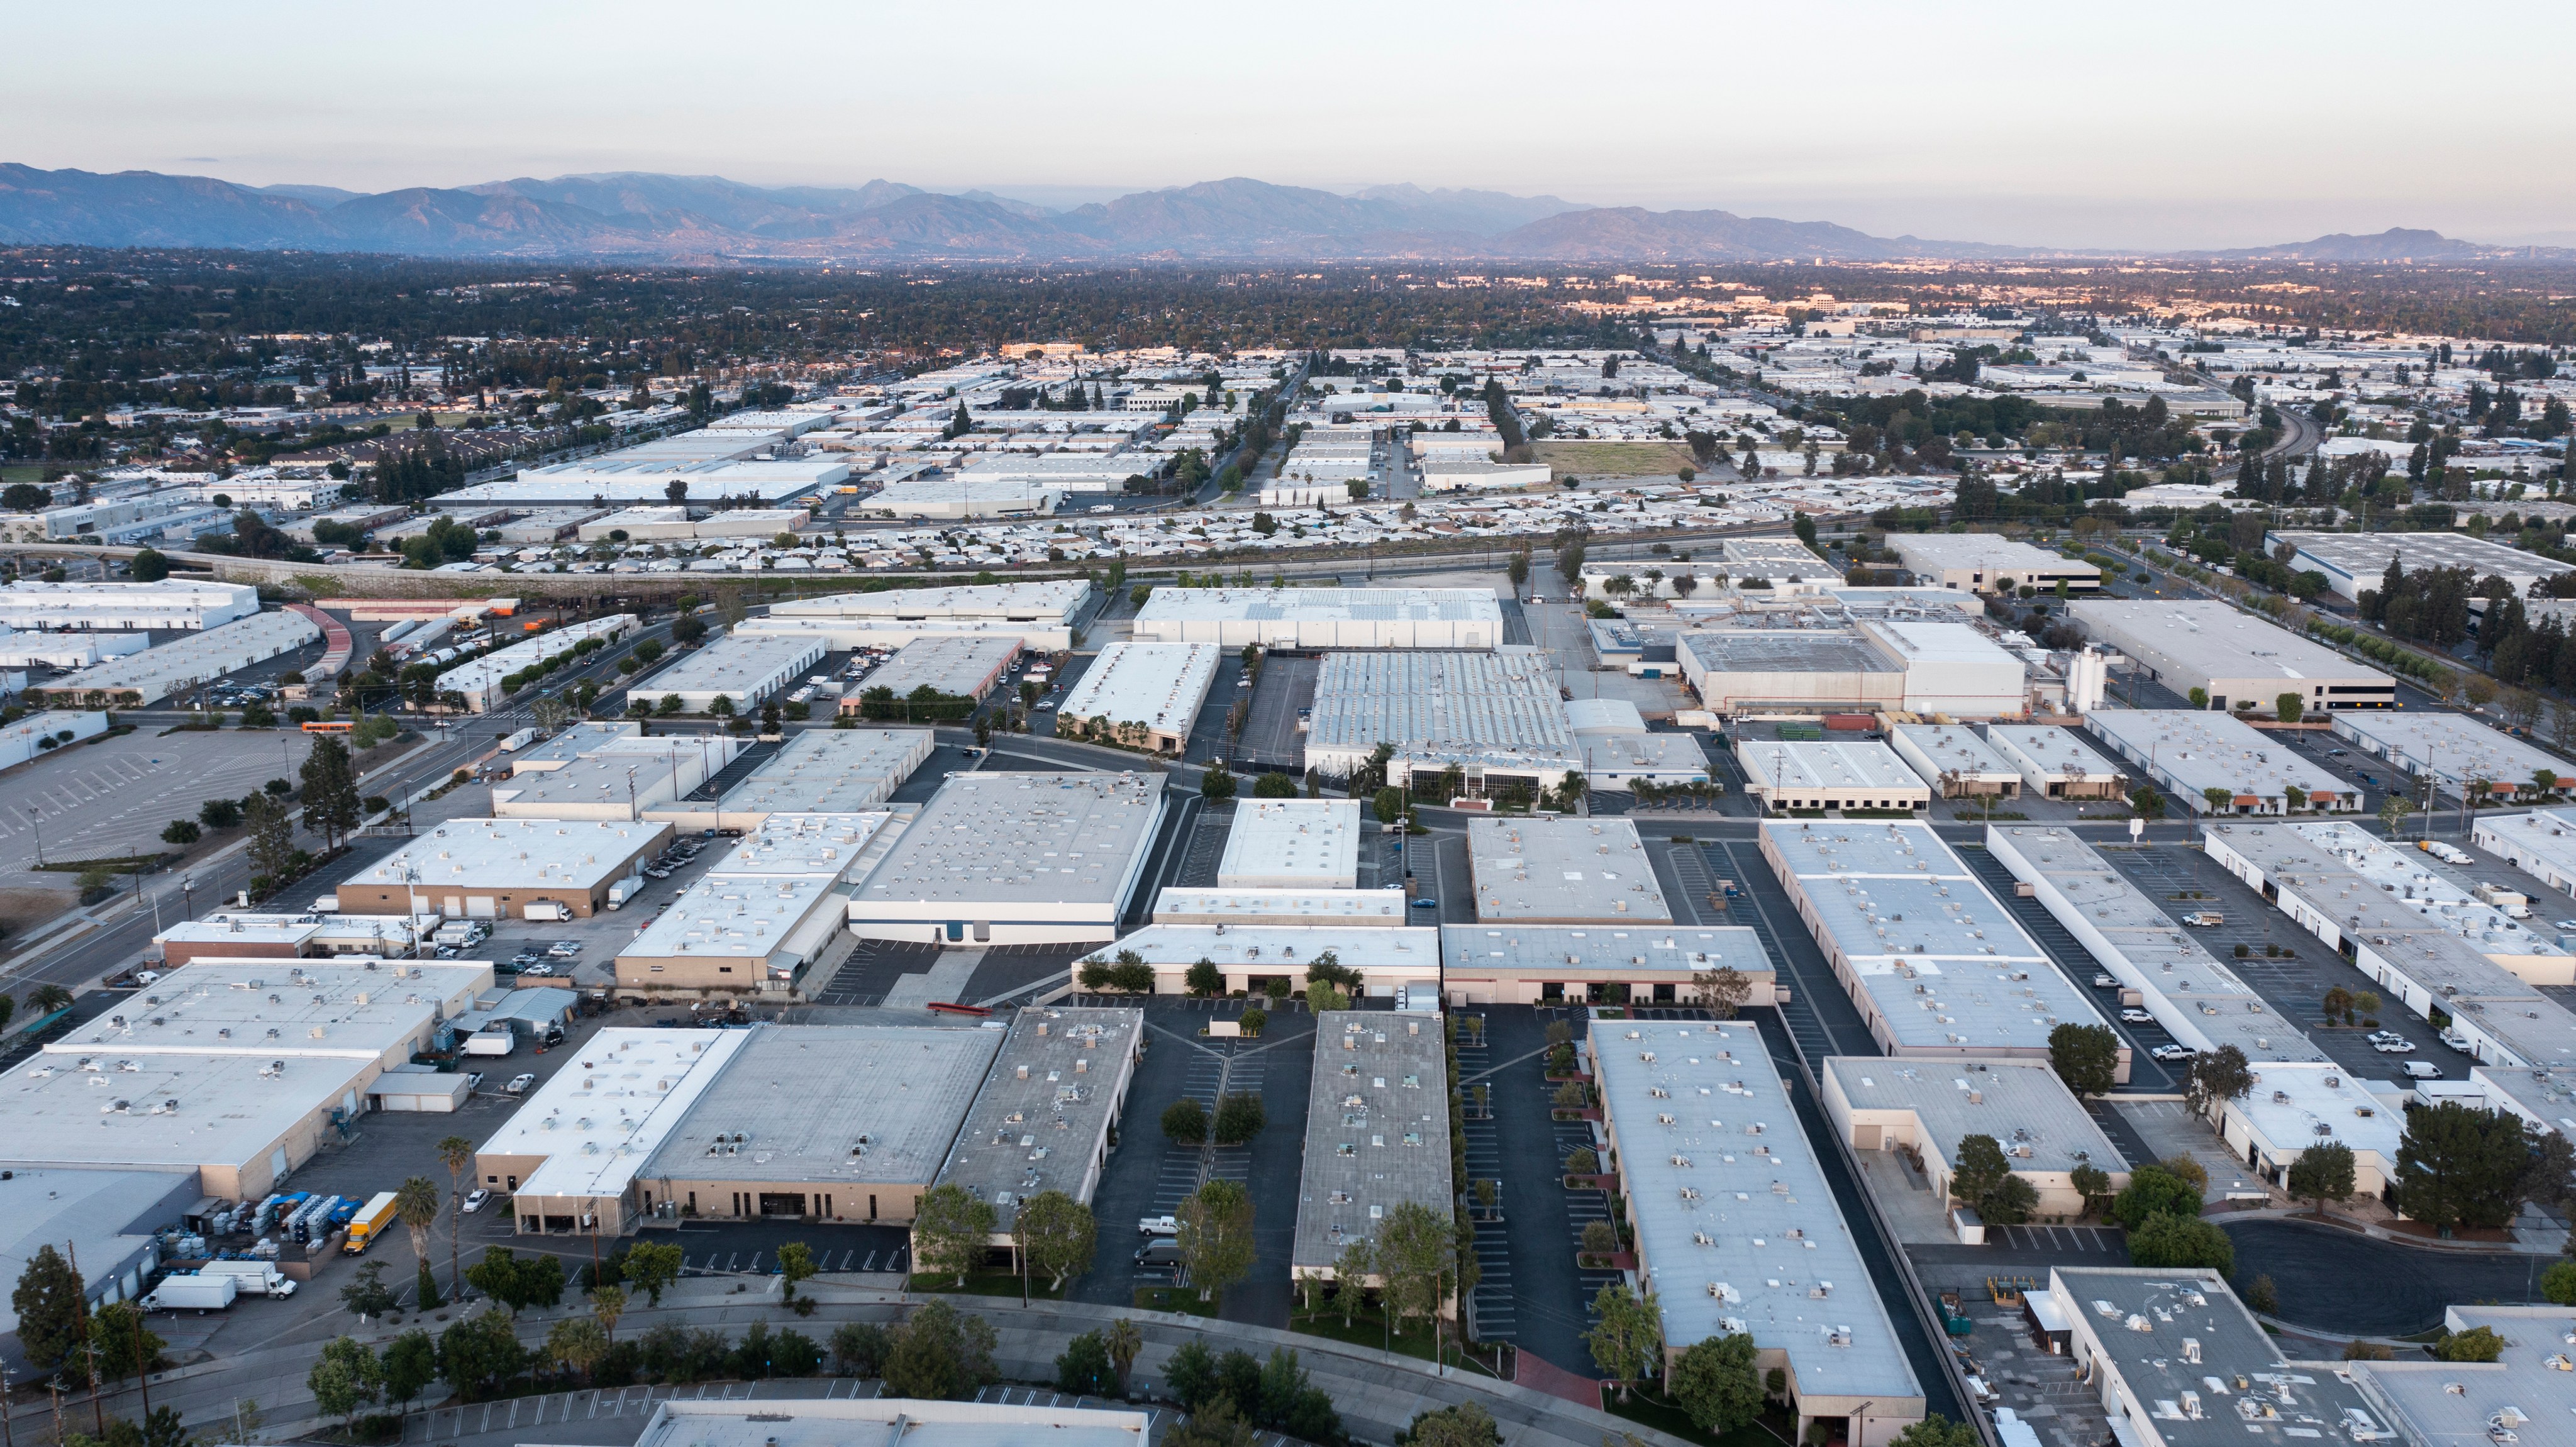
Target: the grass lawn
pixel 1614 459
pixel 1664 1415
pixel 1181 1299
pixel 982 1283
pixel 1368 1329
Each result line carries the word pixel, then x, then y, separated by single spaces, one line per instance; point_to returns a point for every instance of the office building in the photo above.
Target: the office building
pixel 2203 643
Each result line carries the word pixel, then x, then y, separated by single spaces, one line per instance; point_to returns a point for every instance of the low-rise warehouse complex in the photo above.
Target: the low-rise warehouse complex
pixel 1788 775
pixel 1985 562
pixel 1736 1226
pixel 1048 1110
pixel 2056 763
pixel 818 771
pixel 173 603
pixel 1952 759
pixel 1301 844
pixel 1463 618
pixel 1146 695
pixel 2296 1106
pixel 2041 1128
pixel 2436 1403
pixel 950 665
pixel 2541 844
pixel 479 681
pixel 505 868
pixel 2203 643
pixel 139 680
pixel 742 671
pixel 1493 715
pixel 1938 966
pixel 1523 964
pixel 2355 563
pixel 1754 670
pixel 2214 763
pixel 1377 1136
pixel 2462 754
pixel 737 935
pixel 2164 1349
pixel 1250 957
pixel 1563 871
pixel 1010 858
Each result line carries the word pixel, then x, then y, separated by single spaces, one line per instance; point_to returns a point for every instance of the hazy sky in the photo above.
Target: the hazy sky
pixel 2173 124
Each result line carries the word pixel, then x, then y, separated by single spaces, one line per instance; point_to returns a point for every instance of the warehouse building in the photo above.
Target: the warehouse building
pixel 1049 1110
pixel 828 847
pixel 1384 908
pixel 1598 964
pixel 1377 1136
pixel 963 496
pixel 670 524
pixel 1623 761
pixel 1952 759
pixel 607 786
pixel 1495 715
pixel 2458 750
pixel 1877 1104
pixel 2294 1107
pixel 1736 1225
pixel 478 680
pixel 743 671
pixel 1250 956
pixel 1764 670
pixel 732 936
pixel 2149 1342
pixel 2420 939
pixel 2429 1401
pixel 2199 1000
pixel 140 680
pixel 2056 763
pixel 1563 871
pixel 949 665
pixel 2541 844
pixel 1142 694
pixel 1012 858
pixel 1985 562
pixel 1937 966
pixel 106 1218
pixel 173 603
pixel 818 771
pixel 633 476
pixel 1951 668
pixel 1465 618
pixel 497 868
pixel 1787 774
pixel 1054 603
pixel 842 635
pixel 2188 643
pixel 1298 844
pixel 2189 752
pixel 2355 563
pixel 43 732
pixel 1475 474
pixel 839 1421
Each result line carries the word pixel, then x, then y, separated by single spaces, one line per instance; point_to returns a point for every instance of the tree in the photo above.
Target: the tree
pixel 1216 784
pixel 576 1342
pixel 366 1294
pixel 480 1353
pixel 1083 1369
pixel 2154 1191
pixel 1983 1179
pixel 1185 1122
pixel 1518 569
pixel 150 567
pixel 331 803
pixel 2181 1241
pixel 2322 1173
pixel 1239 1115
pixel 940 1355
pixel 2199 697
pixel 271 836
pixel 1936 1430
pixel 125 1346
pixel 2392 813
pixel 2086 1057
pixel 2287 707
pixel 1218 1424
pixel 650 1267
pixel 2217 1076
pixel 2219 800
pixel 1274 786
pixel 219 813
pixel 1216 1236
pixel 1721 991
pixel 2092 1183
pixel 1204 978
pixel 416 1205
pixel 2478 1345
pixel 1467 1424
pixel 345 1378
pixel 1123 1341
pixel 497 1276
pixel 1352 1267
pixel 182 832
pixel 1716 1383
pixel 1569 565
pixel 1627 1332
pixel 51 1307
pixel 607 1304
pixel 410 1364
pixel 1417 1261
pixel 952 1228
pixel 2558 1283
pixel 795 1264
pixel 1055 1234
pixel 859 1348
pixel 2458 1165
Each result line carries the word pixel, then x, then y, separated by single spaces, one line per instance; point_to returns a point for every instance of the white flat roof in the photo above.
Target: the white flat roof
pixel 1789 765
pixel 1052 602
pixel 2192 642
pixel 185 602
pixel 805 1094
pixel 2364 557
pixel 1021 838
pixel 2303 1103
pixel 2453 747
pixel 734 663
pixel 1281 906
pixel 831 771
pixel 1469 706
pixel 278 1007
pixel 842 1421
pixel 1737 1229
pixel 747 918
pixel 600 1118
pixel 2052 749
pixel 1995 554
pixel 1956 749
pixel 514 854
pixel 1563 871
pixel 1624 952
pixel 168 1109
pixel 825 846
pixel 2021 1103
pixel 2192 750
pixel 1160 685
pixel 1292 844
pixel 1284 948
pixel 2445 1404
pixel 181 663
pixel 1341 605
pixel 956 664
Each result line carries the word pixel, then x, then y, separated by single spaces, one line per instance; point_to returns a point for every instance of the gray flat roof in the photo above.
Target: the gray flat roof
pixel 805 1094
pixel 1944 964
pixel 1292 844
pixel 1622 952
pixel 2193 641
pixel 1563 871
pixel 736 661
pixel 956 664
pixel 1377 1129
pixel 184 662
pixel 1043 1116
pixel 1996 554
pixel 1027 838
pixel 1956 749
pixel 2190 750
pixel 2365 556
pixel 1000 602
pixel 1787 764
pixel 1358 605
pixel 2142 1318
pixel 2453 747
pixel 574 854
pixel 1737 1230
pixel 2455 1404
pixel 279 1007
pixel 831 771
pixel 1160 685
pixel 229 1109
pixel 2021 1103
pixel 1786 650
pixel 1473 703
pixel 2052 749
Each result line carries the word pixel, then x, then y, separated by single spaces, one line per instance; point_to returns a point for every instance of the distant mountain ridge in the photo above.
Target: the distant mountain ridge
pixel 648 216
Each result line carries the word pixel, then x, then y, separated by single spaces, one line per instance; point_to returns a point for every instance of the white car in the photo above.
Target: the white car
pixel 564 949
pixel 2394 1045
pixel 474 1200
pixel 2172 1052
pixel 2423 1070
pixel 2104 982
pixel 519 1083
pixel 2137 1017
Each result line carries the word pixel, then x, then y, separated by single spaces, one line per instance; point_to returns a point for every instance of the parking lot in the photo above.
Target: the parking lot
pixel 111 797
pixel 1271 738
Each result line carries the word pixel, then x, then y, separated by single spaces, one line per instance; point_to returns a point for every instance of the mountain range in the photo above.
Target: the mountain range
pixel 644 216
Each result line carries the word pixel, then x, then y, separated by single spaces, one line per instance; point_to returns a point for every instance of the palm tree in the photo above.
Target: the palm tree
pixel 416 1202
pixel 607 1304
pixel 457 1154
pixel 48 998
pixel 1124 1342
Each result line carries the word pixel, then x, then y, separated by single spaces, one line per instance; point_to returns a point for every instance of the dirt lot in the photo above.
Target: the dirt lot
pixel 1612 459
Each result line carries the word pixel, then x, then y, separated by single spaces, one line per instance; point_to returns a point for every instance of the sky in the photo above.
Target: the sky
pixel 2180 124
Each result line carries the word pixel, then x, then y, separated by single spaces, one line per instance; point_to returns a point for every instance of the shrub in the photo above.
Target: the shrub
pixel 1185 1122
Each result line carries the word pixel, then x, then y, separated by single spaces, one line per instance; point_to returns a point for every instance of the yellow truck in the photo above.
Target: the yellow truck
pixel 373 1220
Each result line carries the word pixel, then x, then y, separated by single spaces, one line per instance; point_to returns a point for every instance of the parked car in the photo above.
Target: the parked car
pixel 1426 902
pixel 474 1200
pixel 474 1080
pixel 2172 1052
pixel 519 1083
pixel 564 949
pixel 2104 982
pixel 2423 1070
pixel 2137 1017
pixel 2393 1045
pixel 2204 918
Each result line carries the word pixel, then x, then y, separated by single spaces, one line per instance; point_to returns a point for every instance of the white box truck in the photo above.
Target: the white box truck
pixel 261 1278
pixel 548 909
pixel 193 1293
pixel 518 741
pixel 622 891
pixel 494 1040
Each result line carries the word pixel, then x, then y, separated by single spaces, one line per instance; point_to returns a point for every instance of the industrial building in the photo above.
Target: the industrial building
pixel 743 671
pixel 1951 668
pixel 1735 1222
pixel 1787 775
pixel 1936 964
pixel 1048 1111
pixel 2299 1105
pixel 2541 844
pixel 818 771
pixel 1464 618
pixel 106 1217
pixel 732 936
pixel 1301 844
pixel 1012 858
pixel 173 603
pixel 1985 562
pixel 1385 908
pixel 2427 1402
pixel 1765 670
pixel 1952 759
pixel 2056 763
pixel 497 868
pixel 2423 941
pixel 635 475
pixel 2189 752
pixel 2164 1349
pixel 1520 964
pixel 1143 694
pixel 1624 760
pixel 839 1421
pixel 962 496
pixel 478 681
pixel 1377 1135
pixel 1562 871
pixel 1252 955
pixel 1878 1104
pixel 140 680
pixel 1494 715
pixel 1475 474
pixel 2199 1000
pixel 2203 643
pixel 948 664
pixel 1056 602
pixel 42 732
pixel 2458 751
pixel 676 524
pixel 67 651
pixel 854 633
pixel 609 770
pixel 830 847
pixel 2355 563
